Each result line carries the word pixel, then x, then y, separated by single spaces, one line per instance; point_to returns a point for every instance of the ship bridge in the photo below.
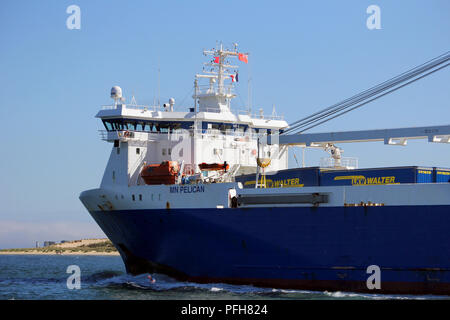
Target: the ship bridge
pixel 210 132
pixel 151 120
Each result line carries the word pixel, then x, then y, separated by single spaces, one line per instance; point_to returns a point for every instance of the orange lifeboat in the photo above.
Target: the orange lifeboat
pixel 164 173
pixel 213 166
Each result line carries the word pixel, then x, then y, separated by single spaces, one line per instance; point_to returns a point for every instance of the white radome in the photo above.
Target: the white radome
pixel 116 92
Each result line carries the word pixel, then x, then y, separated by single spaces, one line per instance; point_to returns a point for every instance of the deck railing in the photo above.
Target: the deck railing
pixel 175 134
pixel 346 162
pixel 214 110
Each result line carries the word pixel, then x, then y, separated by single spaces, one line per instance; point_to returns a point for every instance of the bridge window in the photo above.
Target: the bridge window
pixel 140 126
pixel 130 125
pixel 223 127
pixel 112 125
pixel 117 125
pixel 149 127
pixel 108 125
pixel 146 126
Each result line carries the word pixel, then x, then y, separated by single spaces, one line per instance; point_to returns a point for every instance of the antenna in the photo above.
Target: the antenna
pixel 218 71
pixel 159 80
pixel 133 101
pixel 249 88
pixel 157 97
pixel 195 96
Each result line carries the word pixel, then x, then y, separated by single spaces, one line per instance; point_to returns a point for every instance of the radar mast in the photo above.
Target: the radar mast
pixel 216 95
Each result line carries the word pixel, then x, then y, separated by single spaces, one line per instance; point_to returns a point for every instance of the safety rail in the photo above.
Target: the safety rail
pixel 213 110
pixel 208 89
pixel 344 162
pixel 103 134
pixel 174 134
pixel 258 116
pixel 207 109
pixel 116 135
pixel 131 106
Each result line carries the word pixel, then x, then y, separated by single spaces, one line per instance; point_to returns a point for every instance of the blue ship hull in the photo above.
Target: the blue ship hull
pixel 317 248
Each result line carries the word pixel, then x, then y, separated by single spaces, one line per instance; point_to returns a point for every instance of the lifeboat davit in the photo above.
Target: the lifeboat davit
pixel 213 166
pixel 164 173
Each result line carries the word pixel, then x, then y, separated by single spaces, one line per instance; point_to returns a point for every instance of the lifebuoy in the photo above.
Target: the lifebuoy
pixel 188 171
pixel 126 134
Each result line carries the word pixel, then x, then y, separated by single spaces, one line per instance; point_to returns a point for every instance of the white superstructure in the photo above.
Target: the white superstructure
pixel 209 132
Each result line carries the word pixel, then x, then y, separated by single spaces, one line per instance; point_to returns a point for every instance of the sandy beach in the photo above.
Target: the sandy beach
pixel 90 253
pixel 88 247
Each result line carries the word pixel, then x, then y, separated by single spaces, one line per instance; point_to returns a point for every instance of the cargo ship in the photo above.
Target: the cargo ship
pixel 205 194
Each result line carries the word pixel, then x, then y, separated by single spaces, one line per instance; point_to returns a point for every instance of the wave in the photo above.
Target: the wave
pixel 103 275
pixel 163 283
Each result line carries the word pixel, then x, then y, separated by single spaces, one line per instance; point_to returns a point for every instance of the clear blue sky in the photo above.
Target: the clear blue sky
pixel 304 56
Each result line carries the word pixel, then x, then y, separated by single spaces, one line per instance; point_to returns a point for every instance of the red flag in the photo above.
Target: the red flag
pixel 216 59
pixel 243 57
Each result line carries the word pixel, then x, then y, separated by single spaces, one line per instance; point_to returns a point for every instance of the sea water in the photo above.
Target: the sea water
pixel 45 277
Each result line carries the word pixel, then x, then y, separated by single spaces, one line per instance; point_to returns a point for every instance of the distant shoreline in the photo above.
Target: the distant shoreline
pixel 53 253
pixel 86 247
